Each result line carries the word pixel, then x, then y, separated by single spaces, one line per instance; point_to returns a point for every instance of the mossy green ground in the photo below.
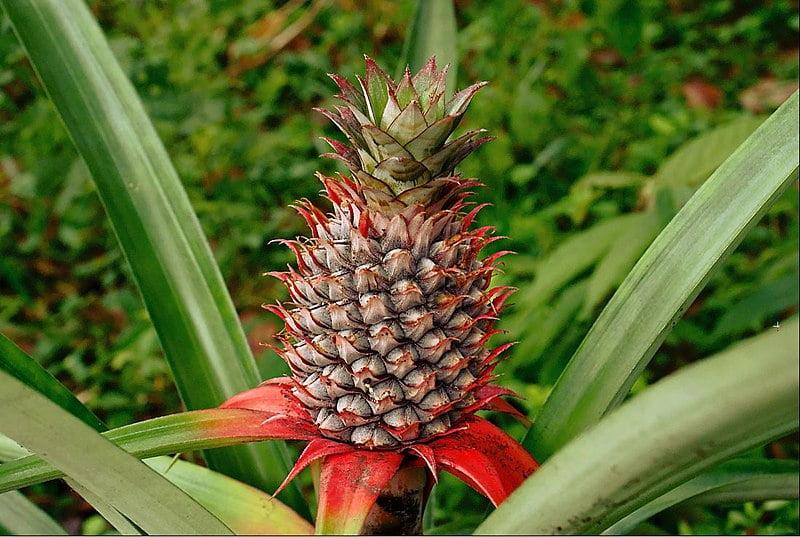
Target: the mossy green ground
pixel 587 100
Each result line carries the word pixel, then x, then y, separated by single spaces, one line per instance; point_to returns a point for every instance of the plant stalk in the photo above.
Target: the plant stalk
pixel 400 506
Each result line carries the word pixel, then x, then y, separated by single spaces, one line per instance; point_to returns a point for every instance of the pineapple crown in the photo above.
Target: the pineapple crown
pixel 399 133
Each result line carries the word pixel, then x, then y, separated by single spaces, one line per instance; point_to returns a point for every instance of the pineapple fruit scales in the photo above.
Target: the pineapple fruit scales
pixel 391 308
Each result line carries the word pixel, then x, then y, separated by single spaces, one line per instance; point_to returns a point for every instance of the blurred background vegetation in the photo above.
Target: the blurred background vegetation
pixel 607 116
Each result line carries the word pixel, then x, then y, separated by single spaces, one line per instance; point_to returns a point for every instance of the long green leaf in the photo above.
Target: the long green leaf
pixel 153 219
pixel 244 509
pixel 11 450
pixel 20 516
pixel 694 161
pixel 146 498
pixel 762 301
pixel 620 258
pixel 666 279
pixel 189 431
pixel 758 489
pixel 551 321
pixel 671 432
pixel 111 514
pixel 15 362
pixel 241 507
pixel 740 479
pixel 432 32
pixel 572 257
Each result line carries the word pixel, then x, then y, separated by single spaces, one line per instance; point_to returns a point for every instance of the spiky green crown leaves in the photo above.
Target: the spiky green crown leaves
pixel 399 132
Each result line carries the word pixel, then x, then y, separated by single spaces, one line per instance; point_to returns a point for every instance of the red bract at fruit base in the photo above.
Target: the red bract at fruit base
pixel 390 314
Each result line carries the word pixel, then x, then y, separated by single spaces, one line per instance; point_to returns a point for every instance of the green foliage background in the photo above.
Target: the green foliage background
pixel 588 101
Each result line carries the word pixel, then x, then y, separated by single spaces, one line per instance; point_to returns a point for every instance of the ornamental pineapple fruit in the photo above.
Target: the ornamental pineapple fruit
pixel 391 307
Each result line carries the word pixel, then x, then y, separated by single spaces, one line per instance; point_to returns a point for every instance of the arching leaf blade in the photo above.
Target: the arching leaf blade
pixel 671 432
pixel 111 514
pixel 741 480
pixel 25 369
pixel 244 509
pixel 666 279
pixel 142 495
pixel 177 433
pixel 153 220
pixel 20 516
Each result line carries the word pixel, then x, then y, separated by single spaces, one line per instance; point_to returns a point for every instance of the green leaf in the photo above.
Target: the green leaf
pixel 432 32
pixel 110 513
pixel 20 516
pixel 25 369
pixel 608 180
pixel 752 479
pixel 620 258
pixel 72 446
pixel 750 311
pixel 188 431
pixel 759 488
pixel 666 279
pixel 244 509
pixel 671 432
pixel 153 219
pixel 10 449
pixel 695 160
pixel 572 257
pixel 551 322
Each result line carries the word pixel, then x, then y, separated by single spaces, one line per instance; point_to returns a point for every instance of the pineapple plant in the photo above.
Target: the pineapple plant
pixel 391 308
pixel 386 337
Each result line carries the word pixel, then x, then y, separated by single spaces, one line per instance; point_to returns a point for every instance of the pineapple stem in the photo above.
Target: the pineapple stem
pixel 400 506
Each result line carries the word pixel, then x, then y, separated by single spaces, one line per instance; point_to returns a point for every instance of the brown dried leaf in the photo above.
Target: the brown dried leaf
pixel 701 94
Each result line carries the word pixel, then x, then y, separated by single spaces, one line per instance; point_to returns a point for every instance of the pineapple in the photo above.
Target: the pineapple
pixel 391 307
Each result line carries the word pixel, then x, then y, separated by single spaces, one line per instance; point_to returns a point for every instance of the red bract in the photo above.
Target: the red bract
pixel 474 450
